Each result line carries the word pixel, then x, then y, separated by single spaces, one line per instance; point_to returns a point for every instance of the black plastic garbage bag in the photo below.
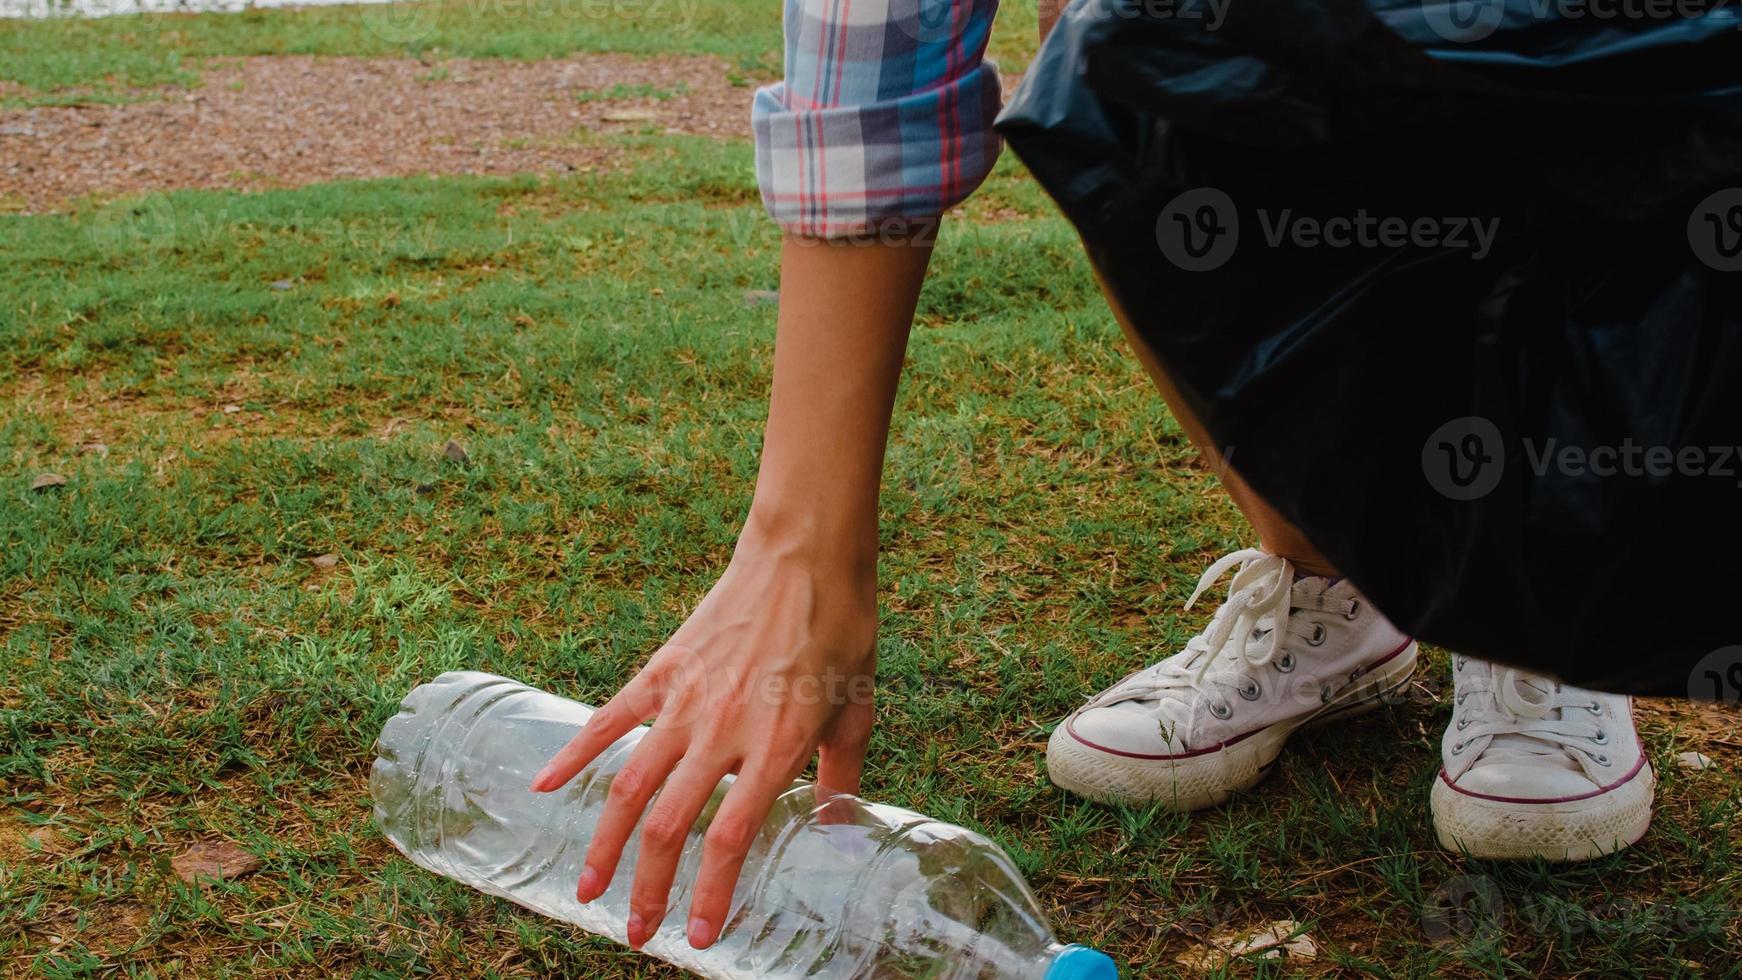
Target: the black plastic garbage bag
pixel 1456 286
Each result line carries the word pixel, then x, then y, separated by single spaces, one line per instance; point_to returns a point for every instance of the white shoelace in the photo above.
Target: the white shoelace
pixel 1530 719
pixel 1242 636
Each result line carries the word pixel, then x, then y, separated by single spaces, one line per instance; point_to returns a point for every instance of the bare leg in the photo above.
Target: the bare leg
pixel 1275 534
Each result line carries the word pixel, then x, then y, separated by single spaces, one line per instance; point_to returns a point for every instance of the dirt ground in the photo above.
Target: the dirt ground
pixel 285 121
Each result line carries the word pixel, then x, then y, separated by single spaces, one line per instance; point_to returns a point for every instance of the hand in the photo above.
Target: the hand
pixel 776 665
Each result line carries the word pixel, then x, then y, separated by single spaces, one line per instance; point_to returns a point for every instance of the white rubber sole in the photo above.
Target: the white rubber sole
pixel 1560 831
pixel 1198 781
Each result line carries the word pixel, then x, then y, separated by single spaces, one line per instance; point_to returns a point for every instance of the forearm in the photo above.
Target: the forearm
pixel 863 137
pixel 845 311
pixel 1050 11
pixel 909 126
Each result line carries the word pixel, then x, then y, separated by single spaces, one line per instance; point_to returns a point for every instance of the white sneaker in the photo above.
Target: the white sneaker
pixel 1208 721
pixel 1536 769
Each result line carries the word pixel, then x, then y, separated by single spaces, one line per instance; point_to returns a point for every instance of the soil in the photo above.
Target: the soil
pixel 293 120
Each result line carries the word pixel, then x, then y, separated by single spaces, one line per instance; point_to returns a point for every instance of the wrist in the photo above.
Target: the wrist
pixel 842 546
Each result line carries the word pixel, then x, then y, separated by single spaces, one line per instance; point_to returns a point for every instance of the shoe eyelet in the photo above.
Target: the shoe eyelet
pixel 1222 710
pixel 1463 723
pixel 1595 707
pixel 1285 663
pixel 1354 610
pixel 1318 637
pixel 1251 692
pixel 1601 738
pixel 1457 663
pixel 1461 697
pixel 1458 748
pixel 1602 760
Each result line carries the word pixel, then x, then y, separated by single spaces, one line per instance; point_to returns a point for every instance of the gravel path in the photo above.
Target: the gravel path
pixel 287 121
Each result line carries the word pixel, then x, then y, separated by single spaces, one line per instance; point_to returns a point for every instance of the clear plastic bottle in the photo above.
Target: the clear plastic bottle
pixel 844 889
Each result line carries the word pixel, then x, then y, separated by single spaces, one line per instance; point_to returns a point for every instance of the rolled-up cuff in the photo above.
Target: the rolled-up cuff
pixel 861 169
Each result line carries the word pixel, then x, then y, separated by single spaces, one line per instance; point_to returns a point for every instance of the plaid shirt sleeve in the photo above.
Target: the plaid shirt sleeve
pixel 885 114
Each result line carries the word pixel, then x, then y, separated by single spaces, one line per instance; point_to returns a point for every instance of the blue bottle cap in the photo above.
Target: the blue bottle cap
pixel 1083 963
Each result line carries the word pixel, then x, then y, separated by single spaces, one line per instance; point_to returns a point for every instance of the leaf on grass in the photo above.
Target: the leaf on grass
pixel 45 839
pixel 1274 941
pixel 232 409
pixel 47 481
pixel 456 452
pixel 1693 761
pixel 761 297
pixel 218 860
pixel 95 449
pixel 326 561
pixel 282 284
pixel 631 115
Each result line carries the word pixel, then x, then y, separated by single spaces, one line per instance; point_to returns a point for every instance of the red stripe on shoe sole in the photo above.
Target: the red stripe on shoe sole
pixel 1617 784
pixel 1071 728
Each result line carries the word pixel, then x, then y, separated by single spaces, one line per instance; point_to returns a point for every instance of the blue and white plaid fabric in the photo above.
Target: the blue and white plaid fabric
pixel 885 114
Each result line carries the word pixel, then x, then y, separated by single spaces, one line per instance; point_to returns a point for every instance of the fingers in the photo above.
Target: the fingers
pixel 629 708
pixel 725 845
pixel 663 836
pixel 631 788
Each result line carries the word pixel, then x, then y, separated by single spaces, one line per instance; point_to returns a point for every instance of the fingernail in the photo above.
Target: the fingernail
pixel 701 934
pixel 637 931
pixel 539 780
pixel 588 889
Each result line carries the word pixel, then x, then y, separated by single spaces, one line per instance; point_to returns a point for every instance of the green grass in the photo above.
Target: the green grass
pixel 273 377
pixel 626 91
pixel 107 54
pixel 103 59
pixel 182 671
